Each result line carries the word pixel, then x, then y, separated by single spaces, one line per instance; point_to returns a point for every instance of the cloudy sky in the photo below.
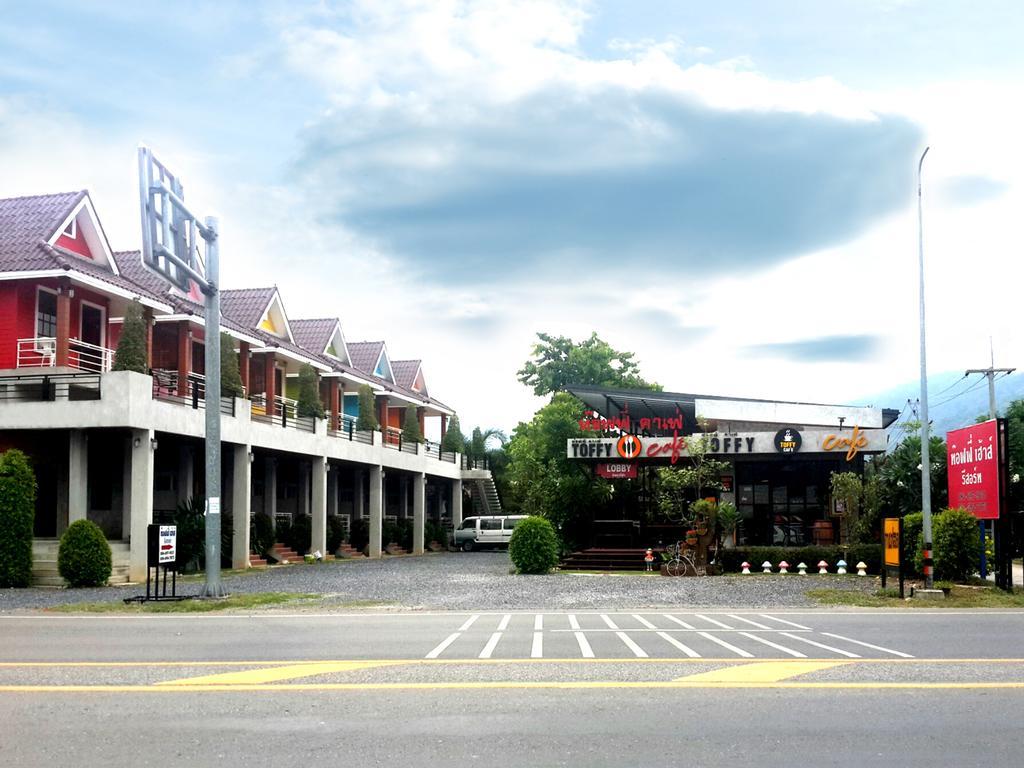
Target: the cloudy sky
pixel 726 189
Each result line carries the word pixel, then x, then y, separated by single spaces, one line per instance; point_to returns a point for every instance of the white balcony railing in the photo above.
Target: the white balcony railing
pixel 41 352
pixel 281 405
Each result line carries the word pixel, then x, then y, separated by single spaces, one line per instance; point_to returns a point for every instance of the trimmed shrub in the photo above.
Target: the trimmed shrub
pixel 389 533
pixel 84 556
pixel 335 534
pixel 191 535
pixel 411 426
pixel 367 410
pixel 453 441
pixel 230 376
pixel 871 554
pixel 957 544
pixel 264 534
pixel 131 347
pixel 913 525
pixel 17 518
pixel 299 534
pixel 434 532
pixel 533 547
pixel 309 393
pixel 359 533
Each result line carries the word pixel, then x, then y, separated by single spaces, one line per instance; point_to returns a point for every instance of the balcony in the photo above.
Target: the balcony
pixel 41 352
pixel 285 413
pixel 193 394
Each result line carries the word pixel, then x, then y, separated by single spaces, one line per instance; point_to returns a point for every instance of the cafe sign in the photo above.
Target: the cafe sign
pixel 974 466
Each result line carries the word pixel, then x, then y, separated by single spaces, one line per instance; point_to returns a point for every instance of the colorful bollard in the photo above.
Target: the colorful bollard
pixel 802 569
pixel 862 568
pixel 766 567
pixel 822 567
pixel 841 567
pixel 746 567
pixel 783 567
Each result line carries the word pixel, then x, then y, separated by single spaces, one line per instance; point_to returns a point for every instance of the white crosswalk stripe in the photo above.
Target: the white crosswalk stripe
pixel 693 635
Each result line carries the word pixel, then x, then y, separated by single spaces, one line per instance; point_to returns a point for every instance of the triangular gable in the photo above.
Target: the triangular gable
pixel 336 346
pixel 274 320
pixel 419 384
pixel 383 367
pixel 82 234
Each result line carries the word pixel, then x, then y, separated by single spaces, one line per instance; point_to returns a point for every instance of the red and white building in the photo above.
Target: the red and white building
pixel 123 449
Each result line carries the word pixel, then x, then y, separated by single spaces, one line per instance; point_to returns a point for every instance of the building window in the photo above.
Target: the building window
pixel 46 314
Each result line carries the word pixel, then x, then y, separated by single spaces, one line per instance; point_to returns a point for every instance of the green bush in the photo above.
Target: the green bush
pixel 389 533
pixel 299 534
pixel 434 532
pixel 913 525
pixel 871 554
pixel 230 377
pixel 957 544
pixel 359 533
pixel 411 426
pixel 453 441
pixel 264 534
pixel 17 518
pixel 335 534
pixel 533 547
pixel 367 410
pixel 404 539
pixel 84 556
pixel 131 347
pixel 191 535
pixel 309 393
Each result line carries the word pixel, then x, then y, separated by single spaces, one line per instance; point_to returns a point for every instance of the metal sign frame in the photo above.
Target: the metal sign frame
pixel 885 563
pixel 170 247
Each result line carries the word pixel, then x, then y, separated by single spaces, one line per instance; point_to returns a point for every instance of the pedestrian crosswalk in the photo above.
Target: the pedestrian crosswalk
pixel 646 636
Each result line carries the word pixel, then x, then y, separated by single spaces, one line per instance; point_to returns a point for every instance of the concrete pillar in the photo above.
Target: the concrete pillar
pixel 241 503
pixel 334 403
pixel 456 503
pixel 78 476
pixel 302 502
pixel 184 356
pixel 186 474
pixel 318 540
pixel 63 342
pixel 359 495
pixel 270 490
pixel 332 490
pixel 141 472
pixel 419 497
pixel 376 510
pixel 126 489
pixel 270 382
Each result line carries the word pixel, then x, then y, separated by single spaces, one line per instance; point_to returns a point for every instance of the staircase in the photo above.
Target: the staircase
pixel 44 563
pixel 255 561
pixel 608 560
pixel 282 554
pixel 485 496
pixel 347 551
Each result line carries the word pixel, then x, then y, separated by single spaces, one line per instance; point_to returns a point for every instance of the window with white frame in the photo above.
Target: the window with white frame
pixel 46 313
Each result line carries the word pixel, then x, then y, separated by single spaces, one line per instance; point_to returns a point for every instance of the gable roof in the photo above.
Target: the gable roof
pixel 314 334
pixel 246 305
pixel 27 224
pixel 365 354
pixel 405 372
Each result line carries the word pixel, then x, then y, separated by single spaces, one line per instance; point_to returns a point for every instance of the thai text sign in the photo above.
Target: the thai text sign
pixel 620 471
pixel 973 465
pixel 891 541
pixel 168 544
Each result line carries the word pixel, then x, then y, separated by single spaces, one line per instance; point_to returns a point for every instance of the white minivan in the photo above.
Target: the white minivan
pixel 486 531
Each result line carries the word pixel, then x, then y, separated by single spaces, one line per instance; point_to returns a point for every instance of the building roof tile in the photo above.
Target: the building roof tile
pixel 313 334
pixel 365 354
pixel 246 305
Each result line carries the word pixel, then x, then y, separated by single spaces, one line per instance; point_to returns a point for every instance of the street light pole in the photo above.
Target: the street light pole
pixel 926 473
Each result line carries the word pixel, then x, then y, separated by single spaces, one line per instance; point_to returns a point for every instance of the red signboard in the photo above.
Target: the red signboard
pixel 973 464
pixel 621 471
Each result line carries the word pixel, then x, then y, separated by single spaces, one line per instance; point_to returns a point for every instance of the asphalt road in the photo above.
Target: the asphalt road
pixel 588 688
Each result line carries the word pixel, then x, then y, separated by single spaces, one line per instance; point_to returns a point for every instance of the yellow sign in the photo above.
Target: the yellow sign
pixel 855 442
pixel 891 533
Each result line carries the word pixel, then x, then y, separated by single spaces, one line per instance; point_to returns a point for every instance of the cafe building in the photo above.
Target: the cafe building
pixel 779 458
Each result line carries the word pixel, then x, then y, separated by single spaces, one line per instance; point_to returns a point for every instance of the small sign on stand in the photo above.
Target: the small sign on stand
pixel 162 556
pixel 892 549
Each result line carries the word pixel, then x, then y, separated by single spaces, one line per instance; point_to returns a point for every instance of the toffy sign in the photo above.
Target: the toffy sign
pixel 633 447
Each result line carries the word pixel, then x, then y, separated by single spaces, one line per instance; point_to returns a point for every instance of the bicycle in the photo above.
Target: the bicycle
pixel 680 563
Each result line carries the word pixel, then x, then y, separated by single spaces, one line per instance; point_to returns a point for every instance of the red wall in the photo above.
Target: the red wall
pixel 77 244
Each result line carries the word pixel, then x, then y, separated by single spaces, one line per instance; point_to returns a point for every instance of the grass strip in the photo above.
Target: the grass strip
pixel 958 597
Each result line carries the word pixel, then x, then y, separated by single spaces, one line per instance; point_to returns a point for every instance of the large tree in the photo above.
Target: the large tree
pixel 543 481
pixel 900 476
pixel 558 361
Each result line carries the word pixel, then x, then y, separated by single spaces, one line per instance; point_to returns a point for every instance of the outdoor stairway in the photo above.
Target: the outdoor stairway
pixel 485 497
pixel 608 560
pixel 347 551
pixel 44 563
pixel 281 554
pixel 255 561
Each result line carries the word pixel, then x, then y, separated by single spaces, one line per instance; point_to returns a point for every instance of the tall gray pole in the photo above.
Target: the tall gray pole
pixel 926 471
pixel 213 586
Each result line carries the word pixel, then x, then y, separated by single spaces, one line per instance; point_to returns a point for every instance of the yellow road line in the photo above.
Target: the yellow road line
pixel 275 674
pixel 552 684
pixel 760 672
pixel 474 660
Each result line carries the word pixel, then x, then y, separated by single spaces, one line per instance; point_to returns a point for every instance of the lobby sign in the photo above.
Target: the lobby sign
pixel 973 464
pixel 616 471
pixel 675 447
pixel 892 541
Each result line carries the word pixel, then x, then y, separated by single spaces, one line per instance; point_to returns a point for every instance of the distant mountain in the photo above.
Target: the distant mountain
pixel 953 400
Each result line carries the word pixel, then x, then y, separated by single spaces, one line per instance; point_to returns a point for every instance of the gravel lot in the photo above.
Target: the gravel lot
pixel 478 581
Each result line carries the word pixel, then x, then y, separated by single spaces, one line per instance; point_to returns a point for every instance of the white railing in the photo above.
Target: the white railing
pixel 41 352
pixel 281 405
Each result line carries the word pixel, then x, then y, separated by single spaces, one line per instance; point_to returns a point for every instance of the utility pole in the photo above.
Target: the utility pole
pixel 990 372
pixel 926 470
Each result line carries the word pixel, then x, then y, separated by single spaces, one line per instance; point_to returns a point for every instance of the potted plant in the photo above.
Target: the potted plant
pixel 729 519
